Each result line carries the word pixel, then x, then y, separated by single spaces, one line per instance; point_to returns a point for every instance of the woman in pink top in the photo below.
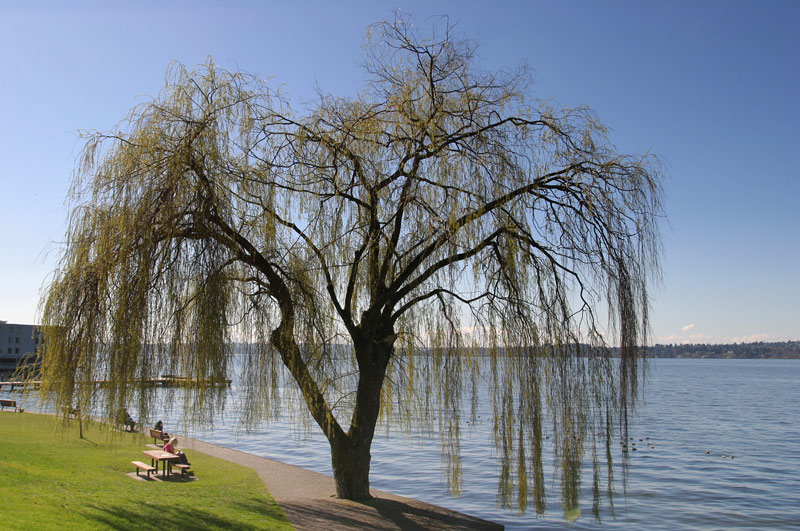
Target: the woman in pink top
pixel 172 447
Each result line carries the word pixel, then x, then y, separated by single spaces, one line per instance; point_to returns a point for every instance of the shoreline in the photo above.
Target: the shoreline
pixel 309 502
pixel 308 498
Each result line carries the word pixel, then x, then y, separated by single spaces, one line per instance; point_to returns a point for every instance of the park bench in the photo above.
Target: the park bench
pixel 158 436
pixel 124 419
pixel 70 412
pixel 143 466
pixel 184 468
pixel 9 403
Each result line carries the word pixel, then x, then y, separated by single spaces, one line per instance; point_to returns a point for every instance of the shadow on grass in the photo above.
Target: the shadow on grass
pixel 89 441
pixel 163 515
pixel 156 478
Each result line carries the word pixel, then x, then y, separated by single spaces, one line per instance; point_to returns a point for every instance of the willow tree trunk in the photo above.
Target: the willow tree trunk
pixel 351 460
pixel 350 452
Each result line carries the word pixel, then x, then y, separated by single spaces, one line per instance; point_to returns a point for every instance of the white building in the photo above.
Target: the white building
pixel 16 341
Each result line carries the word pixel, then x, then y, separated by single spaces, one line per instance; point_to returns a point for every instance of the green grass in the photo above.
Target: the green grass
pixel 50 478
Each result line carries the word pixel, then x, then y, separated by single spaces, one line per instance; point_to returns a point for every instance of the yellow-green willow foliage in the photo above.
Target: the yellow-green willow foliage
pixel 384 251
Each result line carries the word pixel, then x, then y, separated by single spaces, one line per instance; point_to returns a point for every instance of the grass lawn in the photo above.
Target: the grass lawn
pixel 52 479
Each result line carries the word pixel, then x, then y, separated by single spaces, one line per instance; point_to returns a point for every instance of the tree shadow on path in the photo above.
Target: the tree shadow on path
pixel 379 514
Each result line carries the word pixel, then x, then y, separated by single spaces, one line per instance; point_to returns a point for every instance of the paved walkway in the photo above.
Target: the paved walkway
pixel 308 499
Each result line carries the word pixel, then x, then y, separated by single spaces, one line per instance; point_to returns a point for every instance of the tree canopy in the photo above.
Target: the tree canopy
pixel 374 248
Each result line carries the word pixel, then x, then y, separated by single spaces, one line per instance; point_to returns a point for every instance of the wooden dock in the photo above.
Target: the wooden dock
pixel 171 380
pixel 167 380
pixel 20 384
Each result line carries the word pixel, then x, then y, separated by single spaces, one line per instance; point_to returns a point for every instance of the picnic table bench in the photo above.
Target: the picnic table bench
pixel 143 466
pixel 4 403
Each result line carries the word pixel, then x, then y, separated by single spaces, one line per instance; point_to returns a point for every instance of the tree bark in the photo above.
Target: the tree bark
pixel 350 452
pixel 351 462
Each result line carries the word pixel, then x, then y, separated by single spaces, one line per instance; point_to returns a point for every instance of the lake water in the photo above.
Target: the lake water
pixel 747 409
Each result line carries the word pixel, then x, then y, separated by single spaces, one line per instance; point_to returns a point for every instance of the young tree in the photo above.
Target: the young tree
pixel 374 247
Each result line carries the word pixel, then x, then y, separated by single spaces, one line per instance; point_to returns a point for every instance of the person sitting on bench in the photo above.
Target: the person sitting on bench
pixel 127 420
pixel 160 427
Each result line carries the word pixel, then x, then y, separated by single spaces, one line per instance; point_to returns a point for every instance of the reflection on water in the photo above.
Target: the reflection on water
pixel 696 412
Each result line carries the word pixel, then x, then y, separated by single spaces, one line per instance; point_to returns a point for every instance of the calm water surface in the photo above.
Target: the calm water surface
pixel 747 409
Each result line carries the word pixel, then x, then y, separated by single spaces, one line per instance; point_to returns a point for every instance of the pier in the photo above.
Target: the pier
pixel 167 380
pixel 20 384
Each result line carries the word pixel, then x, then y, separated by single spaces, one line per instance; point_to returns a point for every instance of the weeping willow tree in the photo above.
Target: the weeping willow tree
pixel 382 251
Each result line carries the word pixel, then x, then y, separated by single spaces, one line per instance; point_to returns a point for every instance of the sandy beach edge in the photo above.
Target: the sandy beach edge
pixel 308 499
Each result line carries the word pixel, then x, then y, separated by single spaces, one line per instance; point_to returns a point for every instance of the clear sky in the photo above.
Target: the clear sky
pixel 711 87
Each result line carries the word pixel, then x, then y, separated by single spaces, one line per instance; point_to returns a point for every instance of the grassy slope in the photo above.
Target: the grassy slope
pixel 52 479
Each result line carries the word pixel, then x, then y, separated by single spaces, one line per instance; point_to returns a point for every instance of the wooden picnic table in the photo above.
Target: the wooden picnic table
pixel 165 458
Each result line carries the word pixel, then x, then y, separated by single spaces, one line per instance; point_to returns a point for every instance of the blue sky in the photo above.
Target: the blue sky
pixel 711 87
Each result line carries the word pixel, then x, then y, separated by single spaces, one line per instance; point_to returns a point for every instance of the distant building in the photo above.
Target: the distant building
pixel 16 342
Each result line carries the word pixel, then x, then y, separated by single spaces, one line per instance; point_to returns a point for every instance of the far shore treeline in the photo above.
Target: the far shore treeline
pixel 788 350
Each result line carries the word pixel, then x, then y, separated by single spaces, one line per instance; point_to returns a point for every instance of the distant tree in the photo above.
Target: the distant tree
pixel 371 247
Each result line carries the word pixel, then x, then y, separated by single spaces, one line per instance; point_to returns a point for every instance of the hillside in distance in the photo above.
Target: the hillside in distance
pixel 788 350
